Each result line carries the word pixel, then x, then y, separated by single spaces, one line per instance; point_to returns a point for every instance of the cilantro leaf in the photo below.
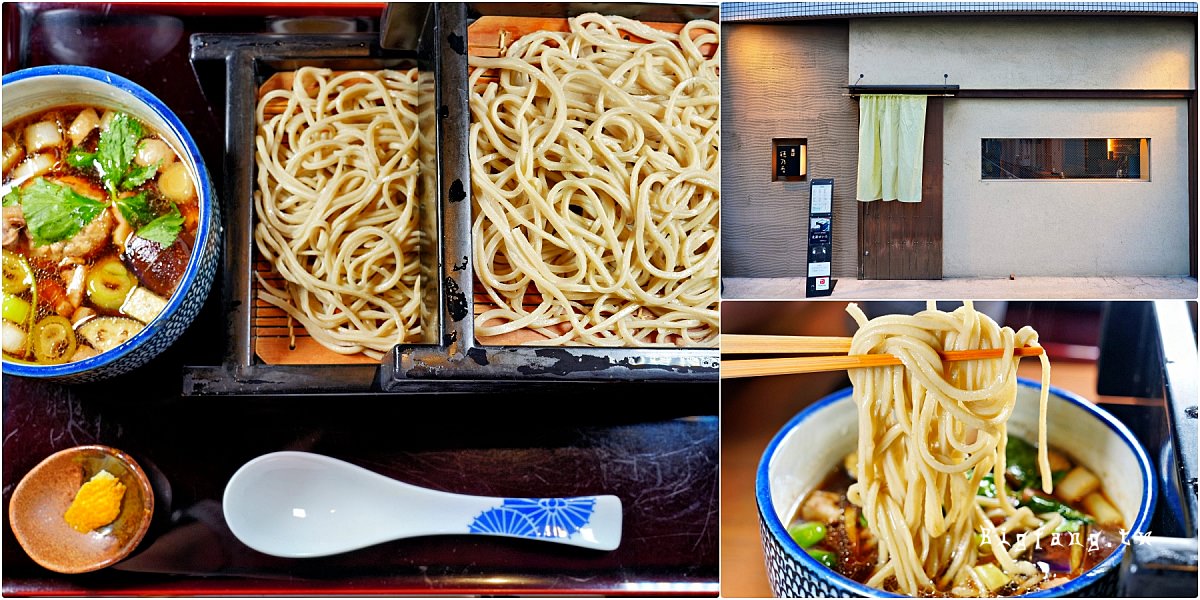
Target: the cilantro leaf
pixel 56 212
pixel 165 229
pixel 139 175
pixel 116 149
pixel 1041 505
pixel 1021 458
pixel 136 210
pixel 80 158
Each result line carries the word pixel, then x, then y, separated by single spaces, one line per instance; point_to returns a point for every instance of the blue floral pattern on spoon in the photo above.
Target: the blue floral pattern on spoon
pixel 536 518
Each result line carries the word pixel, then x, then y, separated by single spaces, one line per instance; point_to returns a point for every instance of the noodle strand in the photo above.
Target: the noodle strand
pixel 926 425
pixel 595 176
pixel 336 206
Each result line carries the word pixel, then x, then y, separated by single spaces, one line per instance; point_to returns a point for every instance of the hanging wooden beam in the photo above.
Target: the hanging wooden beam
pixel 916 90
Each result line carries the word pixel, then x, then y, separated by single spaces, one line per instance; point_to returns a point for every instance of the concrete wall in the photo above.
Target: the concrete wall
pixel 782 81
pixel 1072 227
pixel 1026 52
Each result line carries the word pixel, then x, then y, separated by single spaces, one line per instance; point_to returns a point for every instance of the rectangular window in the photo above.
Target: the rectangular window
pixel 1066 158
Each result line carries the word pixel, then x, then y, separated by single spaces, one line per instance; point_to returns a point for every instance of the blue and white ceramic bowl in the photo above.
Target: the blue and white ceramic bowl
pixel 32 90
pixel 817 439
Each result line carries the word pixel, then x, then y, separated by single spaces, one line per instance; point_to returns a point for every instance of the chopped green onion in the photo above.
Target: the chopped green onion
pixel 807 534
pixel 109 283
pixel 18 275
pixel 992 576
pixel 987 487
pixel 1040 505
pixel 16 309
pixel 984 547
pixel 1069 526
pixel 53 340
pixel 824 557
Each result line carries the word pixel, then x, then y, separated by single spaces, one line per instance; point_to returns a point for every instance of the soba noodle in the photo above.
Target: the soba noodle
pixel 337 206
pixel 929 432
pixel 595 174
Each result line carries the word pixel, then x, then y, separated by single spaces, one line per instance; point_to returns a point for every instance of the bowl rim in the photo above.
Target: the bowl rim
pixel 767 513
pixel 206 198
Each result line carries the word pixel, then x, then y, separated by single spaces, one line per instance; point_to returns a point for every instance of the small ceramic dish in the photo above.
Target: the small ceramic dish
pixel 40 501
pixel 818 438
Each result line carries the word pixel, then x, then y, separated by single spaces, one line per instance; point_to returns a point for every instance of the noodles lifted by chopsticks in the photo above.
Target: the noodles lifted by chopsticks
pixel 337 209
pixel 595 177
pixel 929 432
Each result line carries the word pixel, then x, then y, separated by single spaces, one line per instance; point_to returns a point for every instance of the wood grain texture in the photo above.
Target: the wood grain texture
pixel 781 81
pixel 759 367
pixel 903 240
pixel 280 340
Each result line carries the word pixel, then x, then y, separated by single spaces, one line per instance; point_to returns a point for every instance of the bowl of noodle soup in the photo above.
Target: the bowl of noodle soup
pixel 816 441
pixel 174 273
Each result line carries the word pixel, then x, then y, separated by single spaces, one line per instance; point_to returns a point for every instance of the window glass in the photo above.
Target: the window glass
pixel 1066 158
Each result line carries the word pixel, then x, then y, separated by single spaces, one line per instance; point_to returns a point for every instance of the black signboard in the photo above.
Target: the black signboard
pixel 790 158
pixel 787 161
pixel 820 238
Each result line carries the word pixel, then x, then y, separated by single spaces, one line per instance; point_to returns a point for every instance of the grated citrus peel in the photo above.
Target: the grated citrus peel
pixel 96 504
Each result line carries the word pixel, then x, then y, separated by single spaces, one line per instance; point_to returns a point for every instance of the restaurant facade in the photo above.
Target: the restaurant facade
pixel 963 140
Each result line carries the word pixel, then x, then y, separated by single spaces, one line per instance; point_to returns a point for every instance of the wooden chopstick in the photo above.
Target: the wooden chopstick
pixel 812 364
pixel 733 343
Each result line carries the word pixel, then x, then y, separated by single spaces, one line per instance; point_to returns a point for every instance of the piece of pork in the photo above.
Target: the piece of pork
pixel 91 239
pixel 822 507
pixel 14 222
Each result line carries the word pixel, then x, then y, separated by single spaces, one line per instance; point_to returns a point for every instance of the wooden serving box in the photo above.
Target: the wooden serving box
pixel 463 359
pixel 267 351
pixel 278 338
pixel 489 36
pixel 261 358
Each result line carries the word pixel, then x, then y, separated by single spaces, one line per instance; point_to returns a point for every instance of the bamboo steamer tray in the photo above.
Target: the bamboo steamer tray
pixel 489 37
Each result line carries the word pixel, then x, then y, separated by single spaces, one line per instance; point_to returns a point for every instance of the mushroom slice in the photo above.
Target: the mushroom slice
pixel 106 333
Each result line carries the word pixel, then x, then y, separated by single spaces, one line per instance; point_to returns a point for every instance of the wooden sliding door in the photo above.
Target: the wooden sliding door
pixel 901 240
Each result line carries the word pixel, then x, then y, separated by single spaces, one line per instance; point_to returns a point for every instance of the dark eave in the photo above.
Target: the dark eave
pixel 801 11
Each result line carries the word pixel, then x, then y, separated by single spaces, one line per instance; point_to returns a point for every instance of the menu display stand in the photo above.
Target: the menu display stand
pixel 820 239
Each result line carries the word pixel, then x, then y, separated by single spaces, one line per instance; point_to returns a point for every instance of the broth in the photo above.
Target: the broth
pixel 847 544
pixel 100 217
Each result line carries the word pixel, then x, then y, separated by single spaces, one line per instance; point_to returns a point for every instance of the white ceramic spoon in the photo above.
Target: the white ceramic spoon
pixel 298 504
